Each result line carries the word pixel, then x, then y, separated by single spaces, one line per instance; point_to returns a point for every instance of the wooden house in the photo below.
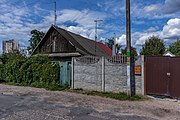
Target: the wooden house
pixel 61 45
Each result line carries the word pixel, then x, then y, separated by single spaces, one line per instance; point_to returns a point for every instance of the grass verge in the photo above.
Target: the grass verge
pixel 51 87
pixel 57 87
pixel 117 96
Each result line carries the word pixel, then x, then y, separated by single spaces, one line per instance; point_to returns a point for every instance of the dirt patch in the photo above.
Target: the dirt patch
pixel 153 108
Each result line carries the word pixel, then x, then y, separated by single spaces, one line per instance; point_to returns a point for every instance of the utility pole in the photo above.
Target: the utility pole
pixel 55 16
pixel 114 48
pixel 130 58
pixel 96 34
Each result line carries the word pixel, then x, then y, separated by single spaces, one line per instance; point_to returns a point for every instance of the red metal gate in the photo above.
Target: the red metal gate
pixel 163 76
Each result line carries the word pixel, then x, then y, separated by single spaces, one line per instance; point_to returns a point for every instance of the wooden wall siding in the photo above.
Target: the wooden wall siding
pixel 55 43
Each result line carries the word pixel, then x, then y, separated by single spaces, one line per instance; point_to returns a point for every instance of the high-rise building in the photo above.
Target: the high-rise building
pixel 10 45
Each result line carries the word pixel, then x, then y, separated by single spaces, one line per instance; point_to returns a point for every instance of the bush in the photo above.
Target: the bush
pixel 36 70
pixel 2 72
pixel 39 69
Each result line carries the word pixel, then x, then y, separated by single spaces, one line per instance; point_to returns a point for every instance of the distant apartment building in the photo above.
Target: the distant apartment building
pixel 10 45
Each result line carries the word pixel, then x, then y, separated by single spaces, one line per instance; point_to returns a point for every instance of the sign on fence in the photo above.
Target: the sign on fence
pixel 137 70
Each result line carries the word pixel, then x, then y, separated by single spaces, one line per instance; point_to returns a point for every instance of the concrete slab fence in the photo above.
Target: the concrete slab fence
pixel 104 74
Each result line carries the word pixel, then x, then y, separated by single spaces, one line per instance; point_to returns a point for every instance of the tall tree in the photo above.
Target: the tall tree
pixel 35 39
pixel 153 47
pixel 110 44
pixel 175 48
pixel 133 51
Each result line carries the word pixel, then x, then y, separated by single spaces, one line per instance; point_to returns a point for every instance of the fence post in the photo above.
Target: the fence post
pixel 142 74
pixel 103 74
pixel 72 73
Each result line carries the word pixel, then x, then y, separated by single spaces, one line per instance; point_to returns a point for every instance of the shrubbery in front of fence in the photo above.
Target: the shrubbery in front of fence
pixel 35 71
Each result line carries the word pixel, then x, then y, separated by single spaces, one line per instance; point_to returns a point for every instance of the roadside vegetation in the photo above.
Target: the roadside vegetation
pixel 36 71
pixel 117 96
pixel 40 72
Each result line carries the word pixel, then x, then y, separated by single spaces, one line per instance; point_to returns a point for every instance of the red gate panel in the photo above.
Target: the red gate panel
pixel 156 75
pixel 175 77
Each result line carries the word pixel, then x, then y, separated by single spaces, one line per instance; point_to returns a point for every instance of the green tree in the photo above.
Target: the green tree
pixel 9 57
pixel 133 51
pixel 153 47
pixel 35 39
pixel 175 48
pixel 110 44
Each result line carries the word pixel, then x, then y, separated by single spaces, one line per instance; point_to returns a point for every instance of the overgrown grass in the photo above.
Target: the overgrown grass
pixel 117 96
pixel 57 87
pixel 52 87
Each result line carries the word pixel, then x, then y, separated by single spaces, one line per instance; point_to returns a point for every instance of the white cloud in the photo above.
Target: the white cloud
pixel 81 31
pixel 152 29
pixel 2 1
pixel 17 22
pixel 168 9
pixel 122 40
pixel 140 38
pixel 172 29
pixel 114 7
pixel 169 33
pixel 84 20
pixel 152 8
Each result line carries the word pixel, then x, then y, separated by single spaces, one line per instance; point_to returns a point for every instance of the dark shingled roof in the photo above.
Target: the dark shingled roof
pixel 83 45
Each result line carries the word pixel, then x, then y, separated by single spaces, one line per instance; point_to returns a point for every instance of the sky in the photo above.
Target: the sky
pixel 160 18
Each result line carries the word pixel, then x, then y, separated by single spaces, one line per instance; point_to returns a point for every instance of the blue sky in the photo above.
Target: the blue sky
pixel 159 18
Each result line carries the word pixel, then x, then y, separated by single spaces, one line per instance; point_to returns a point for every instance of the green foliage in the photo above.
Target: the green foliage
pixel 9 57
pixel 118 96
pixel 34 71
pixel 39 69
pixel 133 51
pixel 52 87
pixel 175 48
pixel 12 70
pixel 2 72
pixel 35 39
pixel 153 47
pixel 110 43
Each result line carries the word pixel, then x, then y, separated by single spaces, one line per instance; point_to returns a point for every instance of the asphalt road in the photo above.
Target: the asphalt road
pixel 27 107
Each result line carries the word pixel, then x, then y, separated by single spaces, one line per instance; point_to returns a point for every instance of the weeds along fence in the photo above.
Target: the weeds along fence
pixel 100 73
